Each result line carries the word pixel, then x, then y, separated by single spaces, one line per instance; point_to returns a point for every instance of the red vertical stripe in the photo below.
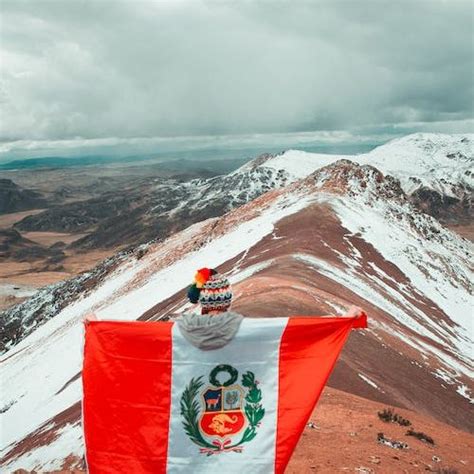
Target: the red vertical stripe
pixel 126 405
pixel 308 352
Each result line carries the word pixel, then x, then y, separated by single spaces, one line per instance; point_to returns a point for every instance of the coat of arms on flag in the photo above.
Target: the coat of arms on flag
pixel 222 416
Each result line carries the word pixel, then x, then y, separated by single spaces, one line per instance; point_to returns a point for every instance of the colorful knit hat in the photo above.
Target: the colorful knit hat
pixel 211 290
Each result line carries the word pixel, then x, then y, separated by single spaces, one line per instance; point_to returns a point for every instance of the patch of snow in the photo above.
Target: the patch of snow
pixel 18 291
pixel 370 382
pixel 464 391
pixel 444 375
pixel 299 164
pixel 239 275
pixel 50 457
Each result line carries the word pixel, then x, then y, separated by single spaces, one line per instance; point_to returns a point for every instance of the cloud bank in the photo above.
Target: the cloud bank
pixel 126 69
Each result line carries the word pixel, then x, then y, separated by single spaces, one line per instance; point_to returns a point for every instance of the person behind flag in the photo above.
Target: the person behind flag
pixel 211 324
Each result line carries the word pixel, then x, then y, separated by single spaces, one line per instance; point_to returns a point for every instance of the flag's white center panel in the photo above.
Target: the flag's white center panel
pixel 224 402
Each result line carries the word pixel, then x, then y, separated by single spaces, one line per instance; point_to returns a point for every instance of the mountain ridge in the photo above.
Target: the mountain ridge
pixel 343 234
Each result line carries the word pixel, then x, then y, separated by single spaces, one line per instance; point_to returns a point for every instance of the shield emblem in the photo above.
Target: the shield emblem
pixel 222 415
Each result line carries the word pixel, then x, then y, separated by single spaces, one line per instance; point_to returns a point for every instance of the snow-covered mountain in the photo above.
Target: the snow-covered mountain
pixel 422 159
pixel 327 238
pixel 434 160
pixel 435 170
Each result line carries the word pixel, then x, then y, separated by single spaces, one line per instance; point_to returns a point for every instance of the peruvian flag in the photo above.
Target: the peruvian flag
pixel 153 403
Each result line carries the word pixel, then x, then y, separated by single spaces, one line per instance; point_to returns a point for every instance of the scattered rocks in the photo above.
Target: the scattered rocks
pixel 374 460
pixel 381 439
pixel 364 470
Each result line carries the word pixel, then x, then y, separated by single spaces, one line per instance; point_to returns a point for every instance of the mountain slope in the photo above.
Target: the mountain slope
pixel 435 170
pixel 13 198
pixel 349 425
pixel 344 234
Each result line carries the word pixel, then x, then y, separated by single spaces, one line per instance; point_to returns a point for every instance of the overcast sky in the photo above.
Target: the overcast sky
pixel 96 69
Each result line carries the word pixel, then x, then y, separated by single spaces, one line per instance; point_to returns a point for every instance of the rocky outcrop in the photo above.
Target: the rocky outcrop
pixel 14 199
pixel 15 247
pixel 448 208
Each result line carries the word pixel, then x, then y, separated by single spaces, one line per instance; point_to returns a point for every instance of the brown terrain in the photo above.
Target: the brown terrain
pixel 34 273
pixel 464 230
pixel 342 437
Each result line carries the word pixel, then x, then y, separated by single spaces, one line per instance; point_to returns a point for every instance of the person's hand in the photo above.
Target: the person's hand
pixel 354 312
pixel 90 317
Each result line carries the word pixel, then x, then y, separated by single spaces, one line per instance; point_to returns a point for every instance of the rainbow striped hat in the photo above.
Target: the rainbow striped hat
pixel 211 290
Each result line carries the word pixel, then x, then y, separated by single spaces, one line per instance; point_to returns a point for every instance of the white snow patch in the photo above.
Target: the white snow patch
pixel 465 392
pixel 445 376
pixel 50 457
pixel 240 275
pixel 370 382
pixel 18 291
pixel 300 164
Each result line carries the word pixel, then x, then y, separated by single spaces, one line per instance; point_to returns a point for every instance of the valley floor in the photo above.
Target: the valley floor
pixel 20 279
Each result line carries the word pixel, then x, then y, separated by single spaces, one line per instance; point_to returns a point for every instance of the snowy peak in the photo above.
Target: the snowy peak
pixel 421 152
pixel 255 163
pixel 436 171
pixel 240 186
pixel 294 163
pixel 350 178
pixel 437 160
pixel 417 155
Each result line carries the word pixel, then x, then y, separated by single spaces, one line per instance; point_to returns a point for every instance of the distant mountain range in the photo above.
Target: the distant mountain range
pixel 202 151
pixel 296 233
pixel 188 162
pixel 435 172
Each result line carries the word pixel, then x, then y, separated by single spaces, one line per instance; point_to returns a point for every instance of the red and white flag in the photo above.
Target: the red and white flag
pixel 153 403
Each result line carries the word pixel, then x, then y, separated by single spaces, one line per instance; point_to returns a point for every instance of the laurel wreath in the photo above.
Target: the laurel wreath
pixel 253 409
pixel 233 375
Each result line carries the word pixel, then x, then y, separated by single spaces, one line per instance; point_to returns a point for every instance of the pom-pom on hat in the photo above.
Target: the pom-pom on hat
pixel 211 290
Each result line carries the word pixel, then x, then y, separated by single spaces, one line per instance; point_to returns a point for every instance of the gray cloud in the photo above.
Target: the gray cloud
pixel 145 68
